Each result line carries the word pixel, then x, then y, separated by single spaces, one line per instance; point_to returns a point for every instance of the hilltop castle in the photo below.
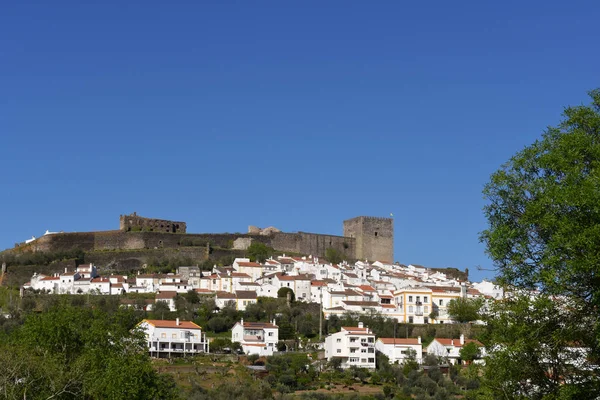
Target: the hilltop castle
pixel 364 238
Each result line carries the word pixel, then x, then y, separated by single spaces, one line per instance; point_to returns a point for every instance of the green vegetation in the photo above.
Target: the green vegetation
pixel 544 234
pixel 333 256
pixel 40 257
pixel 77 352
pixel 259 252
pixel 465 310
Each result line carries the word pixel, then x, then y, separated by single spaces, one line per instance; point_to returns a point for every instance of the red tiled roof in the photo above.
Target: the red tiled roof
pixel 361 303
pixel 225 295
pixel 50 278
pixel 245 294
pixel 318 283
pixel 354 328
pixel 367 288
pixel 161 323
pixel 239 275
pixel 448 342
pixel 248 264
pixel 166 295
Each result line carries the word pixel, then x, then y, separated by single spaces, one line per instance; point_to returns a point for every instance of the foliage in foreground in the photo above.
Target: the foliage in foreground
pixel 544 234
pixel 77 352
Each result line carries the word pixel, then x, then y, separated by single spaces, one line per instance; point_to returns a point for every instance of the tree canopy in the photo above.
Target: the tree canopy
pixel 543 213
pixel 74 352
pixel 464 310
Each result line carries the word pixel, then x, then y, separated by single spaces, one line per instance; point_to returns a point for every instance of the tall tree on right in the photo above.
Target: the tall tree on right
pixel 544 237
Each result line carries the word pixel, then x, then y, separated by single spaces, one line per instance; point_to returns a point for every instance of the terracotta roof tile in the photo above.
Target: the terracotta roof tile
pixel 161 323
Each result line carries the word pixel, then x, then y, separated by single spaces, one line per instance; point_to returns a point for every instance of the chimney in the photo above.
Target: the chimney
pixel 360 325
pixel 65 270
pixel 177 321
pixel 462 339
pixel 419 339
pixel 452 342
pixel 242 322
pixel 273 322
pixel 463 290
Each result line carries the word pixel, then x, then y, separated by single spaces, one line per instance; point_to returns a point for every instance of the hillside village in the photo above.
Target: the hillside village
pixel 406 293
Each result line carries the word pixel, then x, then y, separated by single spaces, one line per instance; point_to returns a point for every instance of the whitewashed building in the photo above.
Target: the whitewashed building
pixel 173 338
pixel 256 337
pixel 355 346
pixel 399 349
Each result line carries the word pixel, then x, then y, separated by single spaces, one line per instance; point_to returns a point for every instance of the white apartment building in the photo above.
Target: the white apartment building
pixel 256 337
pixel 355 346
pixel 173 338
pixel 399 349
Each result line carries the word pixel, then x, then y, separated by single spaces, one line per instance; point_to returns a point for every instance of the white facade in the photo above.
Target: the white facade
pixel 450 348
pixel 355 346
pixel 398 350
pixel 173 338
pixel 256 337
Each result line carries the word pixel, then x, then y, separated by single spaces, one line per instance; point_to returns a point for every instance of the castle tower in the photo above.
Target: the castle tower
pixel 374 237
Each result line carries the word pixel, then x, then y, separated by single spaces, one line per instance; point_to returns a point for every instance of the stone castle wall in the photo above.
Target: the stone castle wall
pixel 134 222
pixel 364 238
pixel 312 243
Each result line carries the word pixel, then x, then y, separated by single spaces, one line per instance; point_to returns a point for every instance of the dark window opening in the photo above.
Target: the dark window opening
pixel 375 233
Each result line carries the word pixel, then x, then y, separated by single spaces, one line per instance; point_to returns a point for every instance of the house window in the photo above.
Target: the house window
pixel 410 299
pixel 163 335
pixel 441 302
pixel 410 309
pixel 426 309
pixel 174 336
pixel 353 350
pixel 352 340
pixel 363 360
pixel 425 320
pixel 371 360
pixel 424 299
pixel 353 360
pixel 340 340
pixel 270 333
pixel 371 340
pixel 339 350
pixel 410 320
pixel 418 299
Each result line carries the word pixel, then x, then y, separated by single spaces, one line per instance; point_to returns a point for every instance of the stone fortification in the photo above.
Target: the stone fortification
pixel 134 222
pixel 364 238
pixel 374 237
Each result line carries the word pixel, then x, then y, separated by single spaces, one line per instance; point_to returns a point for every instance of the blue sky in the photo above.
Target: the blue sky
pixel 294 114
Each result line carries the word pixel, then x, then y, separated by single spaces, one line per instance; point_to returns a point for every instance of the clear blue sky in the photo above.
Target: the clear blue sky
pixel 292 114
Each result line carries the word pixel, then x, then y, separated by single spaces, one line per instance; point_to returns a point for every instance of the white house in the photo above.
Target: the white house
pixel 450 348
pixel 398 350
pixel 167 297
pixel 173 338
pixel 100 285
pixel 355 346
pixel 256 337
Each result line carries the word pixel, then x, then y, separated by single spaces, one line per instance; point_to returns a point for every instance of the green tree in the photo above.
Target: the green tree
pixel 78 352
pixel 333 256
pixel 465 310
pixel 259 252
pixel 469 352
pixel 543 232
pixel 283 293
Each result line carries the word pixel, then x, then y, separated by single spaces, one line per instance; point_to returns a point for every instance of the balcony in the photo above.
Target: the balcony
pixel 253 338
